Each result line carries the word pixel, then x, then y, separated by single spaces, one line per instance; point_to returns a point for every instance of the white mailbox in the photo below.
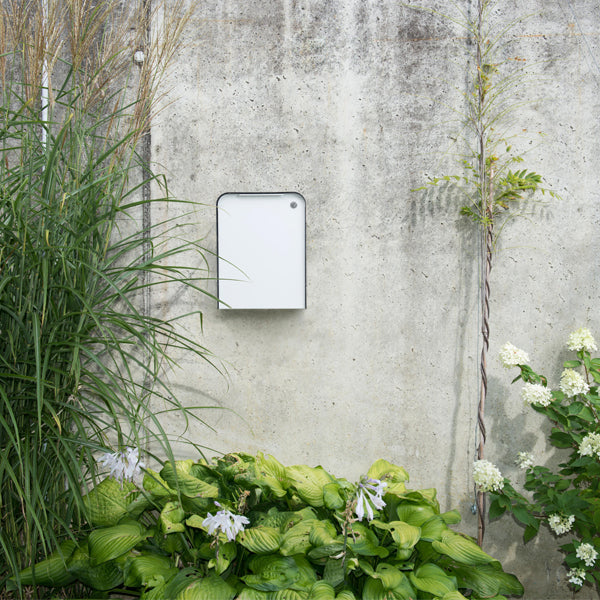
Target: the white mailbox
pixel 261 250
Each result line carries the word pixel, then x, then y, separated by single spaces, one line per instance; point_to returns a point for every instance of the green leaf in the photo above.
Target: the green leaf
pixel 112 542
pixel 561 439
pixel 225 554
pixel 211 587
pixel 487 581
pixel 393 475
pixel 432 579
pixel 309 482
pixel 248 593
pixel 271 573
pixel 297 539
pixel 345 595
pixel 572 364
pixel 451 517
pixel 261 540
pixel 156 485
pixel 333 496
pixel 433 528
pixel 461 549
pixel 321 590
pixel 106 504
pixel 414 514
pixel 180 477
pixel 147 570
pixel 364 542
pixel 323 532
pixel 496 510
pixel 531 531
pixel 51 572
pixel 171 517
pixel 105 576
pixel 405 535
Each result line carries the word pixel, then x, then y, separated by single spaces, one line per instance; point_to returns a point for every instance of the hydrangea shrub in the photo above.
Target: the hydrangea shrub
pixel 566 499
pixel 247 527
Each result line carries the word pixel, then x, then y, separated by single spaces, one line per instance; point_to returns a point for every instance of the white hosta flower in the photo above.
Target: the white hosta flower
pixel 511 356
pixel 572 383
pixel 582 340
pixel 587 553
pixel 487 477
pixel 225 521
pixel 370 494
pixel 524 460
pixel 536 394
pixel 124 466
pixel 561 524
pixel 576 576
pixel 590 445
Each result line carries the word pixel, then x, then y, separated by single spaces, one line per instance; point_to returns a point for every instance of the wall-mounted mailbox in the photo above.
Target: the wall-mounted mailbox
pixel 261 249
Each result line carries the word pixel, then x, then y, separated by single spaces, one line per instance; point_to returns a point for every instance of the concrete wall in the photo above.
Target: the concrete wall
pixel 351 103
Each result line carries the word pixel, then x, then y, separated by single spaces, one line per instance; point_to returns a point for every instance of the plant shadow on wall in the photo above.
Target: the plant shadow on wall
pixel 81 355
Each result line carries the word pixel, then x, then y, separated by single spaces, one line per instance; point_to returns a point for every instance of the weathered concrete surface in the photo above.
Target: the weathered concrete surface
pixel 352 103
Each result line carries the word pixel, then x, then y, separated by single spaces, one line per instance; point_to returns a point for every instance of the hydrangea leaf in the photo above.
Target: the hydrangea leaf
pixel 261 540
pixel 52 571
pixel 461 549
pixel 432 579
pixel 107 503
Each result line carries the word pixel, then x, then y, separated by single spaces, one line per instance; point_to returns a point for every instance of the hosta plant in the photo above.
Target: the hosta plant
pixel 565 498
pixel 248 527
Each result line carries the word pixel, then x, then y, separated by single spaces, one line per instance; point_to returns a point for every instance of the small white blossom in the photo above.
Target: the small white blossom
pixel 582 340
pixel 370 494
pixel 536 394
pixel 511 356
pixel 225 521
pixel 572 383
pixel 590 445
pixel 561 524
pixel 587 554
pixel 124 466
pixel 524 460
pixel 487 477
pixel 576 576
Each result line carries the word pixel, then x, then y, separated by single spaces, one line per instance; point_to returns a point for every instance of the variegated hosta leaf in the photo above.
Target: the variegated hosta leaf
pixel 323 532
pixel 393 475
pixel 297 539
pixel 309 482
pixel 272 573
pixel 211 587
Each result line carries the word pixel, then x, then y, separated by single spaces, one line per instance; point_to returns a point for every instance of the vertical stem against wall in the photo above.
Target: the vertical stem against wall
pixel 486 197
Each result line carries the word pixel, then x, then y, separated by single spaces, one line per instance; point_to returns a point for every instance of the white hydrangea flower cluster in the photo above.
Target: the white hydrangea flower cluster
pixel 590 445
pixel 561 524
pixel 536 394
pixel 124 466
pixel 572 383
pixel 582 340
pixel 524 460
pixel 487 477
pixel 586 553
pixel 576 576
pixel 511 356
pixel 370 494
pixel 226 521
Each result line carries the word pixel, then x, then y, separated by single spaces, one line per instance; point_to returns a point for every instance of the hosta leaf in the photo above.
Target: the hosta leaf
pixel 297 539
pixel 333 496
pixel 334 571
pixel 414 514
pixel 364 542
pixel 307 575
pixel 269 473
pixel 488 581
pixel 272 573
pixel 111 542
pixel 393 475
pixel 156 485
pixel 227 552
pixel 106 576
pixel 453 595
pixel 147 570
pixel 374 590
pixel 288 595
pixel 461 549
pixel 211 587
pixel 248 593
pixel 180 477
pixel 323 532
pixel 405 535
pixel 432 579
pixel 451 517
pixel 261 540
pixel 107 503
pixel 171 517
pixel 326 551
pixel 433 529
pixel 52 571
pixel 321 591
pixel 345 595
pixel 309 482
